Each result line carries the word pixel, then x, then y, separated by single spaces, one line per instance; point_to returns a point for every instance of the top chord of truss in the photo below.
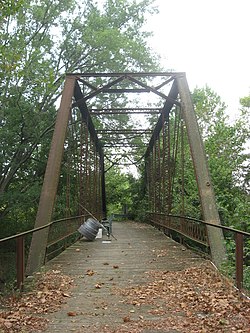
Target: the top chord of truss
pixel 125 111
pixel 139 74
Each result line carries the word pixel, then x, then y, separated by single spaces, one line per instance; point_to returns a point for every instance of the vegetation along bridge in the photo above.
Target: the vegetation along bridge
pixel 144 121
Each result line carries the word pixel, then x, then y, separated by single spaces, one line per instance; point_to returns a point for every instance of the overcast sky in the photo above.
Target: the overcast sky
pixel 209 40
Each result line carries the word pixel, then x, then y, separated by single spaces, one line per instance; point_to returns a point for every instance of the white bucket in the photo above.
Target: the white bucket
pixel 99 234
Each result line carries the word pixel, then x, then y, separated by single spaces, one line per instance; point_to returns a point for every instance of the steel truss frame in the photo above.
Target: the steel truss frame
pixel 79 90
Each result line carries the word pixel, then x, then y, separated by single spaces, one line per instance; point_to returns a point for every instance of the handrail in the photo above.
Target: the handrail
pixel 239 240
pixel 204 222
pixel 40 228
pixel 20 257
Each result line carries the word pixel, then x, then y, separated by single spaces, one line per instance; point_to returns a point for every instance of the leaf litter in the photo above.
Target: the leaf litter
pixel 197 299
pixel 25 313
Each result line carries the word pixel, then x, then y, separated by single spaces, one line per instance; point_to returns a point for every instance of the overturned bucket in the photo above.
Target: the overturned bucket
pixel 90 228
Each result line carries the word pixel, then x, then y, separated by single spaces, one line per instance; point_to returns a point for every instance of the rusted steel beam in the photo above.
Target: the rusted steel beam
pixel 165 111
pixel 98 91
pixel 20 258
pixel 126 90
pixel 81 169
pixel 113 144
pixel 122 137
pixel 121 142
pixel 87 118
pixel 51 178
pixel 124 131
pixel 120 77
pixel 182 170
pixel 124 164
pixel 103 187
pixel 239 239
pixel 164 83
pixel 86 83
pixel 174 101
pixel 112 111
pixel 96 114
pixel 164 167
pixel 135 74
pixel 169 178
pixel 206 192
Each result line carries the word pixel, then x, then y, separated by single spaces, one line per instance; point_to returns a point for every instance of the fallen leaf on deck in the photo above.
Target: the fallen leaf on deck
pixel 26 310
pixel 98 286
pixel 126 319
pixel 72 313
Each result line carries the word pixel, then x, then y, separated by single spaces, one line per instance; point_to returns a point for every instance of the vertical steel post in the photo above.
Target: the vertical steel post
pixel 99 190
pixel 51 178
pixel 209 209
pixel 163 164
pixel 155 177
pixel 151 183
pixel 80 163
pixel 182 171
pixel 169 169
pixel 239 260
pixel 182 179
pixel 20 259
pixel 158 175
pixel 87 170
pixel 95 183
pixel 104 204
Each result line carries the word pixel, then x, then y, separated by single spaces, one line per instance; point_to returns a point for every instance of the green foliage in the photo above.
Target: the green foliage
pixel 9 7
pixel 225 144
pixel 228 159
pixel 40 41
pixel 245 101
pixel 125 192
pixel 209 109
pixel 117 190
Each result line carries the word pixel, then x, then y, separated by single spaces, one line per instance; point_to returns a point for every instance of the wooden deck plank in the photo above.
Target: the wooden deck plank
pixel 139 248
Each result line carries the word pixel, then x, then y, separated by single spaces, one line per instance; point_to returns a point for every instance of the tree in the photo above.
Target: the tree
pixel 41 40
pixel 245 103
pixel 225 147
pixel 245 118
pixel 118 190
pixel 9 7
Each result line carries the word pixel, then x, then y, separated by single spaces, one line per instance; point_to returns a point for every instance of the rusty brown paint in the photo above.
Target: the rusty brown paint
pixel 51 178
pixel 206 192
pixel 239 238
pixel 125 74
pixel 20 258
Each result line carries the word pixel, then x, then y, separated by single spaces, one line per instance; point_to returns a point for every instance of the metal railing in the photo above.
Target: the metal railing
pixel 20 243
pixel 239 239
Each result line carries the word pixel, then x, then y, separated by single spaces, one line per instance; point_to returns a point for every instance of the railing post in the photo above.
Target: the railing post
pixel 20 261
pixel 239 260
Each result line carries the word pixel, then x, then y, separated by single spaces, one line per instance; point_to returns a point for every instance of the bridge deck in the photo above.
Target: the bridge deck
pixel 96 300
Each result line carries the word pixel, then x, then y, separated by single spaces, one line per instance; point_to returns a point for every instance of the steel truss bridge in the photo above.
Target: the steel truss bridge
pixel 88 140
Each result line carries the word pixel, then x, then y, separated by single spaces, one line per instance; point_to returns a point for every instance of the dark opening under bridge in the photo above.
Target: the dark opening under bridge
pixel 88 141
